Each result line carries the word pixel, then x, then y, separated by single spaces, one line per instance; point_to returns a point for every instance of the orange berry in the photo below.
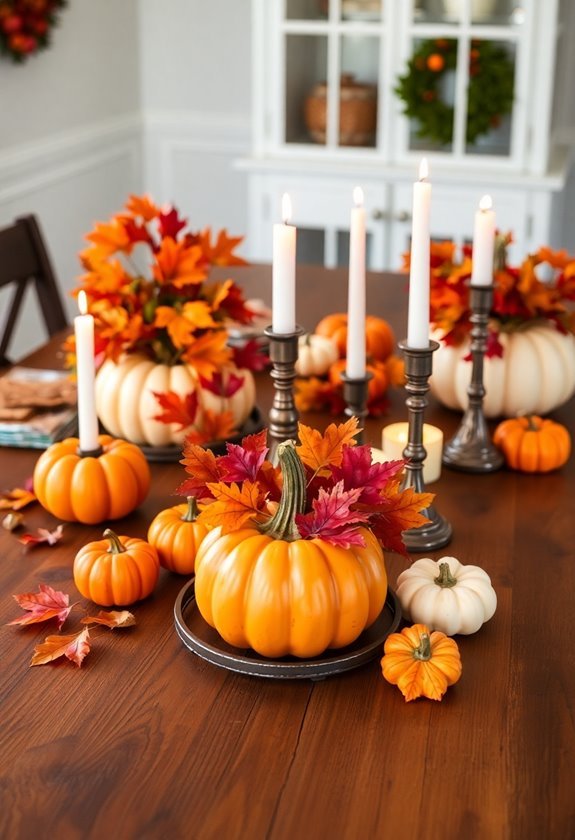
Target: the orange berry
pixel 436 62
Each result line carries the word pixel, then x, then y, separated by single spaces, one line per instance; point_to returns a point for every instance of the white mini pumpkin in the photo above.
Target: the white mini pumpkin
pixel 316 354
pixel 446 596
pixel 535 375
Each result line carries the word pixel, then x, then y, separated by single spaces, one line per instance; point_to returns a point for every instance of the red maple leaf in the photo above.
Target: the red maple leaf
pixel 244 461
pixel 356 470
pixel 250 356
pixel 43 605
pixel 332 519
pixel 170 224
pixel 177 409
pixel 42 535
pixel 217 386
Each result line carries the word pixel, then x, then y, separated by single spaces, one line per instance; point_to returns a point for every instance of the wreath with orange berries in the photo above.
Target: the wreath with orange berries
pixel 489 96
pixel 26 25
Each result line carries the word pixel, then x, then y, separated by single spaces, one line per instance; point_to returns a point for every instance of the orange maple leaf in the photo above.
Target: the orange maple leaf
pixel 16 499
pixel 179 264
pixel 399 511
pixel 319 451
pixel 111 619
pixel 234 505
pixel 221 252
pixel 214 425
pixel 75 647
pixel 208 353
pixel 109 237
pixel 194 315
pixel 199 462
pixel 143 206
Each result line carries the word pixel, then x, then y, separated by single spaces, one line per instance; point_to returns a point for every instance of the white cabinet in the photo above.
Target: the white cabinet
pixel 349 92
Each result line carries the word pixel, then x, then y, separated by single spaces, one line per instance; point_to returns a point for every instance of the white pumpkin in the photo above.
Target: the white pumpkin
pixel 316 354
pixel 535 375
pixel 240 403
pixel 126 405
pixel 446 596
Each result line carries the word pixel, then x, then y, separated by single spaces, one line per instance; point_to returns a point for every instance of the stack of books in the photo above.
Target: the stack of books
pixel 37 407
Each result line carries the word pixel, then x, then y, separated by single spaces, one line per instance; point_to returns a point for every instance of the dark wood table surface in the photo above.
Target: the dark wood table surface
pixel 147 740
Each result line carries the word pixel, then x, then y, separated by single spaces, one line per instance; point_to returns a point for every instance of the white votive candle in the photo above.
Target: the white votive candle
pixel 483 243
pixel 283 272
pixel 418 311
pixel 86 375
pixel 394 441
pixel 355 355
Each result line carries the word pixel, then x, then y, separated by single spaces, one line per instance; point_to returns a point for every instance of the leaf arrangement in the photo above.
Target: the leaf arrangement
pixel 344 488
pixel 519 295
pixel 26 26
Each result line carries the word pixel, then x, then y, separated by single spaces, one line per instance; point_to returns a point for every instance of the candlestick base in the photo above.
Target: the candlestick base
pixel 471 449
pixel 283 415
pixel 418 367
pixel 90 453
pixel 355 393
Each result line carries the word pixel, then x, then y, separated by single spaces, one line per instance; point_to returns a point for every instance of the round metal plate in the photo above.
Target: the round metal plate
pixel 203 640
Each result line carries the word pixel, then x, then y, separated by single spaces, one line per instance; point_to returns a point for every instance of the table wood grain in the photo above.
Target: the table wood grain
pixel 146 740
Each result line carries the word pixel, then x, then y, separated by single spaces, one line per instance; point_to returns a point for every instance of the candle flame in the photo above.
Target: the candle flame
pixel 286 208
pixel 486 203
pixel 358 197
pixel 423 170
pixel 82 302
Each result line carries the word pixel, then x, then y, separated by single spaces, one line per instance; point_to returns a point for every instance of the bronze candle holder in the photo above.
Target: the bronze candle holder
pixel 418 367
pixel 283 416
pixel 355 393
pixel 471 449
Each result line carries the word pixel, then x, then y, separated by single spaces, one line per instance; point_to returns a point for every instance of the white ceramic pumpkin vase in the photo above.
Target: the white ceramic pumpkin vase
pixel 126 405
pixel 535 375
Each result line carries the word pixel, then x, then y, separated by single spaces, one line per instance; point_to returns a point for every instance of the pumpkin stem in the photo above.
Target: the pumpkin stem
pixel 423 651
pixel 116 546
pixel 445 579
pixel 531 424
pixel 282 525
pixel 192 512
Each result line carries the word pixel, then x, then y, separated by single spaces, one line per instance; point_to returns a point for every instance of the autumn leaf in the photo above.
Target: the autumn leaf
pixel 109 237
pixel 176 409
pixel 202 467
pixel 75 647
pixel 400 511
pixel 234 505
pixel 356 470
pixel 215 426
pixel 142 206
pixel 170 223
pixel 216 384
pixel 319 452
pixel 111 619
pixel 178 264
pixel 181 324
pixel 331 518
pixel 250 356
pixel 221 252
pixel 42 535
pixel 43 605
pixel 16 499
pixel 208 353
pixel 244 461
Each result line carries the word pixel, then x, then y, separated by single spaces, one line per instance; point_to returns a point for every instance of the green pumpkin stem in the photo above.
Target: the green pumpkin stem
pixel 423 652
pixel 192 512
pixel 445 579
pixel 282 525
pixel 116 546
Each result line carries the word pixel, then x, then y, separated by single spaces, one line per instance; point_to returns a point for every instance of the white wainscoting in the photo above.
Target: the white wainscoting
pixel 69 181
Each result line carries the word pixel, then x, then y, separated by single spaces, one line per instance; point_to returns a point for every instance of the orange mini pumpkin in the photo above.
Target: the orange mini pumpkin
pixel 91 489
pixel 176 536
pixel 116 570
pixel 531 444
pixel 420 663
pixel 379 337
pixel 377 384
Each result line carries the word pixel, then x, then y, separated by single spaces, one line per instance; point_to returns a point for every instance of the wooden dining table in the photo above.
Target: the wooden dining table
pixel 148 740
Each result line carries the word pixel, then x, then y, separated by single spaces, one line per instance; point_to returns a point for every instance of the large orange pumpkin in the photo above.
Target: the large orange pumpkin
pixel 91 489
pixel 116 570
pixel 176 535
pixel 266 588
pixel 377 384
pixel 379 337
pixel 530 444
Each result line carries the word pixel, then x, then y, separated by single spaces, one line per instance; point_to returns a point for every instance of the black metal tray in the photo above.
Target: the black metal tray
pixel 206 642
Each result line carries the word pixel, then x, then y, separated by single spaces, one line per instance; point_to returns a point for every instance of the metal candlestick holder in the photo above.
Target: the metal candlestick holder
pixel 471 449
pixel 355 393
pixel 283 416
pixel 418 367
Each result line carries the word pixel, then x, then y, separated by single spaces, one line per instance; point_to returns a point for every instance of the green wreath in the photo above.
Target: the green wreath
pixel 489 97
pixel 25 26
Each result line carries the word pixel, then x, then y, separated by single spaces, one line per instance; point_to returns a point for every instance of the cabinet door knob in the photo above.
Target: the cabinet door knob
pixel 379 215
pixel 403 216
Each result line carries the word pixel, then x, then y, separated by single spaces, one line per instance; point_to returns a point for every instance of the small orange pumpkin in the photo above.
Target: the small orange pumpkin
pixel 377 384
pixel 379 337
pixel 176 536
pixel 531 444
pixel 91 489
pixel 420 663
pixel 116 570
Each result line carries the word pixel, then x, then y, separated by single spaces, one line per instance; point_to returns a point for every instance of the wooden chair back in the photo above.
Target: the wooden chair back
pixel 24 259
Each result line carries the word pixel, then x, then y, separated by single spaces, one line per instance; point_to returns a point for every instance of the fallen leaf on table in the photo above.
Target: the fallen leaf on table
pixel 43 535
pixel 43 605
pixel 111 619
pixel 75 647
pixel 16 498
pixel 12 520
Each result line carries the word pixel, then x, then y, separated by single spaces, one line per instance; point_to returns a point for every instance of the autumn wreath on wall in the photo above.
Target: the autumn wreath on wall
pixel 26 26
